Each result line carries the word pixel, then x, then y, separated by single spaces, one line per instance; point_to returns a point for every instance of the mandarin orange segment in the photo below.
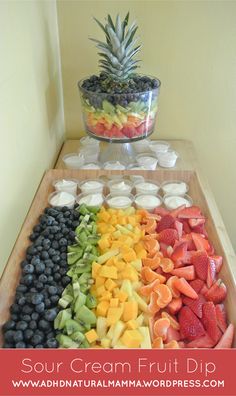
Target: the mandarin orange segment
pixel 167 265
pixel 175 305
pixel 158 343
pixel 146 290
pixel 152 246
pixel 173 321
pixel 171 284
pixel 160 327
pixel 172 345
pixel 164 294
pixel 153 306
pixel 148 275
pixel 150 226
pixel 153 263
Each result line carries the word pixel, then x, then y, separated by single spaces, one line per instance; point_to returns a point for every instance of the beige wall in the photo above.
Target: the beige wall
pixel 191 47
pixel 31 108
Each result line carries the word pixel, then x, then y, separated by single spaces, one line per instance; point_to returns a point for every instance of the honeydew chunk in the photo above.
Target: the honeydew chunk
pixel 106 256
pixel 131 324
pixel 118 330
pixel 141 303
pixel 119 345
pixel 146 343
pixel 110 332
pixel 127 287
pixel 101 327
pixel 136 285
pixel 132 338
pixel 140 320
pixel 137 264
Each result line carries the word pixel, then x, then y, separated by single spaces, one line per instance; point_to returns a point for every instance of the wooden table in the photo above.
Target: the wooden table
pixel 187 156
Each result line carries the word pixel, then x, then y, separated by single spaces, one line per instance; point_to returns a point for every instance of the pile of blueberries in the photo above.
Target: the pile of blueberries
pixel 94 85
pixel 42 281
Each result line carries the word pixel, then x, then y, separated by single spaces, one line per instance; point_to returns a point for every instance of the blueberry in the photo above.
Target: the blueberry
pixel 47 243
pixel 50 314
pixel 29 346
pixel 33 236
pixel 28 333
pixel 26 318
pixel 44 324
pixel 9 325
pixel 57 277
pixel 39 346
pixel 55 245
pixel 23 263
pixel 35 316
pixel 22 301
pixel 49 263
pixel 32 325
pixel 51 252
pixel 65 280
pixel 39 249
pixel 37 298
pixel 47 303
pixel 56 268
pixel 9 336
pixel 37 228
pixel 40 307
pixel 27 309
pixel 18 336
pixel 48 271
pixel 21 288
pixel 36 339
pixel 15 308
pixel 8 345
pixel 50 279
pixel 63 242
pixel 21 325
pixel 28 269
pixel 33 290
pixel 35 260
pixel 39 286
pixel 40 268
pixel 14 317
pixel 54 299
pixel 27 279
pixel 31 250
pixel 44 255
pixel 51 343
pixel 62 271
pixel 42 278
pixel 52 290
pixel 20 345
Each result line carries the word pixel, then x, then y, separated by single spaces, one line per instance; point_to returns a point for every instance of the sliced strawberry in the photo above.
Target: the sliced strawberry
pixel 166 221
pixel 186 228
pixel 196 222
pixel 195 305
pixel 217 293
pixel 211 272
pixel 187 272
pixel 204 290
pixel 168 236
pixel 200 242
pixel 161 211
pixel 200 229
pixel 184 287
pixel 179 252
pixel 200 262
pixel 209 321
pixel 189 257
pixel 179 228
pixel 175 212
pixel 172 334
pixel 189 240
pixel 221 317
pixel 218 262
pixel 163 249
pixel 192 212
pixel 202 342
pixel 175 305
pixel 190 326
pixel 197 285
pixel 227 338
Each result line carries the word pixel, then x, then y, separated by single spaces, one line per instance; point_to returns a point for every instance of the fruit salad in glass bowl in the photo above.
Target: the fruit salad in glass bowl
pixel 119 116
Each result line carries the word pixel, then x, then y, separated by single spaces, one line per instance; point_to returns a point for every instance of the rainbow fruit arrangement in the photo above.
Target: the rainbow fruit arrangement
pixel 129 279
pixel 119 104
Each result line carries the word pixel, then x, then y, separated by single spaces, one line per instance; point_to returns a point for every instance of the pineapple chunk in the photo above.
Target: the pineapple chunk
pixel 113 315
pixel 108 272
pixel 114 302
pixel 132 338
pixel 122 295
pixel 110 284
pixel 118 330
pixel 101 327
pixel 132 324
pixel 130 310
pixel 95 269
pixel 146 343
pixel 141 303
pixel 111 253
pixel 99 281
pixel 105 342
pixel 102 308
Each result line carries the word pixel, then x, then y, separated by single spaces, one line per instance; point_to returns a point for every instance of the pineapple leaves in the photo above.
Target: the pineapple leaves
pixel 111 22
pixel 118 28
pixel 103 28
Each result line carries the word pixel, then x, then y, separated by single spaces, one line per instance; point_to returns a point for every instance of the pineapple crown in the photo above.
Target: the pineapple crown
pixel 118 51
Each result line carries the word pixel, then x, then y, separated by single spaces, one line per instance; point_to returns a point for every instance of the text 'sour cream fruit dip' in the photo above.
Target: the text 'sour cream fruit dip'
pixel 147 201
pixel 114 165
pixel 69 186
pixel 174 201
pixel 62 198
pixel 73 160
pixel 90 165
pixel 174 188
pixel 120 187
pixel 93 199
pixel 147 161
pixel 146 187
pixel 89 186
pixel 119 201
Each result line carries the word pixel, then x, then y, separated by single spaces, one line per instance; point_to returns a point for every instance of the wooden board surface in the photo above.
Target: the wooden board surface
pixel 199 191
pixel 185 148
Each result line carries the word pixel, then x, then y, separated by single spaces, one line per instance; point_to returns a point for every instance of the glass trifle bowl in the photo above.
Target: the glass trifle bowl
pixel 120 117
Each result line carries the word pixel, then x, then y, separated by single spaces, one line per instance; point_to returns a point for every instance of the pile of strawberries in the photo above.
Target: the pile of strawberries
pixel 198 292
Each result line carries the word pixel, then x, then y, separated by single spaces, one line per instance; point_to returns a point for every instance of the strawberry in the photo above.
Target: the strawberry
pixel 209 321
pixel 190 326
pixel 187 272
pixel 227 338
pixel 187 259
pixel 200 229
pixel 163 249
pixel 179 252
pixel 189 240
pixel 221 317
pixel 166 221
pixel 192 212
pixel 211 272
pixel 204 289
pixel 175 212
pixel 186 228
pixel 172 334
pixel 200 242
pixel 197 285
pixel 168 236
pixel 175 305
pixel 184 287
pixel 200 262
pixel 179 228
pixel 217 292
pixel 202 342
pixel 195 305
pixel 196 222
pixel 218 262
pixel 161 211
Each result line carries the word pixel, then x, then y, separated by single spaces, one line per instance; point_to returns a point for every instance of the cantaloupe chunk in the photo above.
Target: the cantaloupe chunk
pixel 132 338
pixel 91 336
pixel 129 255
pixel 99 281
pixel 105 296
pixel 110 284
pixel 108 272
pixel 95 269
pixel 102 308
pixel 113 315
pixel 130 310
pixel 101 290
pixel 132 324
pixel 120 265
pixel 104 243
pixel 121 295
pixel 114 302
